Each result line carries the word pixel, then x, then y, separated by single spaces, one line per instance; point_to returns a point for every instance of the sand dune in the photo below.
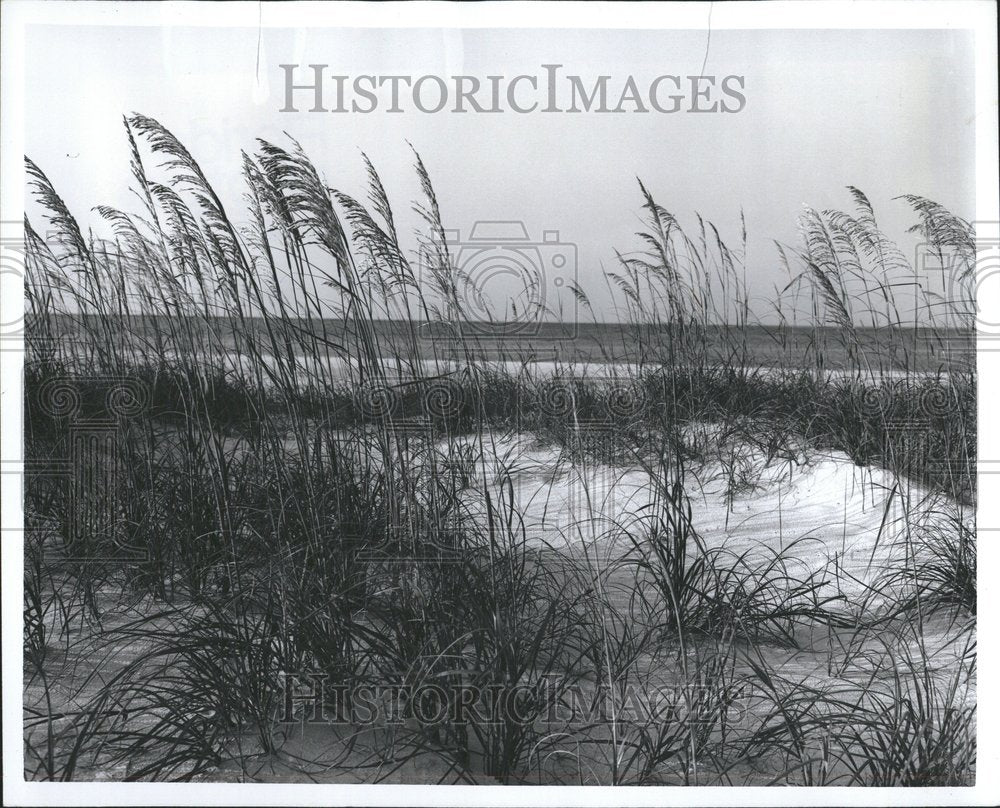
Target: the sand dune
pixel 821 509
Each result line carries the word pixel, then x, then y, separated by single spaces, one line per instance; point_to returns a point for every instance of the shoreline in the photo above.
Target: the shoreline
pixel 340 369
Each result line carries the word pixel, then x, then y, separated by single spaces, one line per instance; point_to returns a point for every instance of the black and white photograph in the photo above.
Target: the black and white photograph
pixel 406 401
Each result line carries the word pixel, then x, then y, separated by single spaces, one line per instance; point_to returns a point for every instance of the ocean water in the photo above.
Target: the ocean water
pixel 551 344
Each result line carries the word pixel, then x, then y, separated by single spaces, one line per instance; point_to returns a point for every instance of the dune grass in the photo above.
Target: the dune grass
pixel 283 483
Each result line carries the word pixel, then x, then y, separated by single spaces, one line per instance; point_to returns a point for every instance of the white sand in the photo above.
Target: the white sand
pixel 821 510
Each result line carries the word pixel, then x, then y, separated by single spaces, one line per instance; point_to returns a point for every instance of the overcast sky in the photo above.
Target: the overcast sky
pixel 888 111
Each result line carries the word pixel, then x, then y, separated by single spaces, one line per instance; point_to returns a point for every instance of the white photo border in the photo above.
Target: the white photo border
pixel 977 15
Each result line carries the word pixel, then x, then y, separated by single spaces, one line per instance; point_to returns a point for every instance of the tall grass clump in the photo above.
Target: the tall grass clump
pixel 277 446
